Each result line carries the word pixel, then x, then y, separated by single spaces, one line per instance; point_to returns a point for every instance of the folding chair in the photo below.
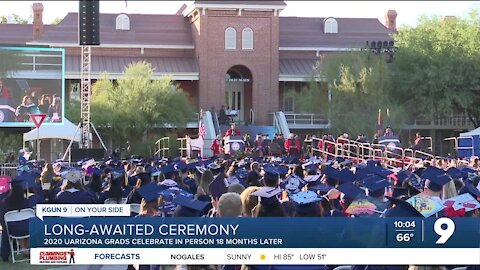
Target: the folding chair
pixel 113 201
pixel 16 222
pixel 135 208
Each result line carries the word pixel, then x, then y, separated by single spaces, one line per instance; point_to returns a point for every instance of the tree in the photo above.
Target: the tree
pixel 19 19
pixel 437 67
pixel 57 21
pixel 3 19
pixel 136 104
pixel 10 62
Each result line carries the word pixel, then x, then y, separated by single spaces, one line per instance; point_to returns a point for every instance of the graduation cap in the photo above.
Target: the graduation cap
pixel 181 166
pixel 454 173
pixel 345 176
pixel 401 209
pixel 464 201
pixel 190 203
pixel 170 193
pixel 403 175
pixel 292 184
pixel 271 173
pixel 373 163
pixel 399 192
pixel 96 171
pixel 379 171
pixel 217 187
pixel 339 159
pixel 24 179
pixel 168 170
pixel 213 166
pixel 145 177
pixel 267 195
pixel 72 176
pixel 305 197
pixel 350 190
pixel 241 174
pixel 150 192
pixel 346 162
pixel 431 172
pixel 201 169
pixel 311 178
pixel 35 173
pixel 362 206
pixel 310 167
pixel 330 171
pixel 321 187
pixel 376 185
pixel 435 183
pixel 427 206
pixel 471 189
pixel 168 183
pixel 282 170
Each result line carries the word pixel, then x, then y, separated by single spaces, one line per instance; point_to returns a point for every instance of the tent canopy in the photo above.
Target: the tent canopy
pixel 65 131
pixel 474 132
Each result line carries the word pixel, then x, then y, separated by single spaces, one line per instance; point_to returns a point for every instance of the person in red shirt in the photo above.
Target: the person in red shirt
pixel 292 145
pixel 233 131
pixel 216 146
pixel 4 91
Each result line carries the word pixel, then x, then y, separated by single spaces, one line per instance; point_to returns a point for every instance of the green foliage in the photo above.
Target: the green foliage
pixel 3 19
pixel 309 99
pixel 56 21
pixel 9 143
pixel 437 67
pixel 19 19
pixel 10 61
pixel 136 104
pixel 72 111
pixel 360 85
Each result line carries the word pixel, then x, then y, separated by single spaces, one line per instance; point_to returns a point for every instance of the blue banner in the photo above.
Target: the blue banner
pixel 126 232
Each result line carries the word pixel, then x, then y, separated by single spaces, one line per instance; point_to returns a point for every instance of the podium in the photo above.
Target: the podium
pixel 233 144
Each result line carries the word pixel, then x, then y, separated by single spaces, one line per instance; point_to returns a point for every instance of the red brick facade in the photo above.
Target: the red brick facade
pixel 215 61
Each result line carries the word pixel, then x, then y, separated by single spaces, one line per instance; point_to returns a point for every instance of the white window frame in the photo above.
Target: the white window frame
pixel 247 39
pixel 230 38
pixel 122 22
pixel 331 26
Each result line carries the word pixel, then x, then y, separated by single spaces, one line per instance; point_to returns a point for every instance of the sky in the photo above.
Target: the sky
pixel 408 11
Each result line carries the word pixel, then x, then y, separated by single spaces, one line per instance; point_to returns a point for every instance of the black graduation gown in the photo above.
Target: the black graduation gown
pixel 74 196
pixel 4 208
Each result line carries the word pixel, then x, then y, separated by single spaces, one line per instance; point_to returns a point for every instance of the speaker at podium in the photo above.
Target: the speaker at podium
pixel 233 144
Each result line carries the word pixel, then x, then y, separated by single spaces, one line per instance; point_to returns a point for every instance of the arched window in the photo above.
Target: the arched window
pixel 122 22
pixel 247 39
pixel 331 26
pixel 230 38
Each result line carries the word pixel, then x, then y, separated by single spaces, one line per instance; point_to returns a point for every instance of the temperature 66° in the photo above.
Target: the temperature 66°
pixel 404 237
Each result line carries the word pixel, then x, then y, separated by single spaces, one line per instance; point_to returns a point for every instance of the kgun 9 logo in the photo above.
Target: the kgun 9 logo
pixel 444 227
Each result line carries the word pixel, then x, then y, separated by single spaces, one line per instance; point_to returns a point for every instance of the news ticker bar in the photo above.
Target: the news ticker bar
pixel 316 233
pixel 258 256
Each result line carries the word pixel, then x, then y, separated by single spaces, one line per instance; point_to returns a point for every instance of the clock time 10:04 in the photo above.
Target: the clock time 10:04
pixel 404 224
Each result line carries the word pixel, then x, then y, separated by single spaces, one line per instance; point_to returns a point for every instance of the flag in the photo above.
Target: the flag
pixel 379 122
pixel 201 127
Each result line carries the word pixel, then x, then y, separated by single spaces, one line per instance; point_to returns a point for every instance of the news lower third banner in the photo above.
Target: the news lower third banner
pixel 61 236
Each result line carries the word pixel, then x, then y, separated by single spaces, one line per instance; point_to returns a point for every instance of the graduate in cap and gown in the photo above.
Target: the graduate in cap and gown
pixel 72 190
pixel 15 200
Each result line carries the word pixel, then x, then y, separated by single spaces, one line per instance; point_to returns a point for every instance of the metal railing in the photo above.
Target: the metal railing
pixel 308 119
pixel 9 169
pixel 183 149
pixel 163 147
pixel 456 120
